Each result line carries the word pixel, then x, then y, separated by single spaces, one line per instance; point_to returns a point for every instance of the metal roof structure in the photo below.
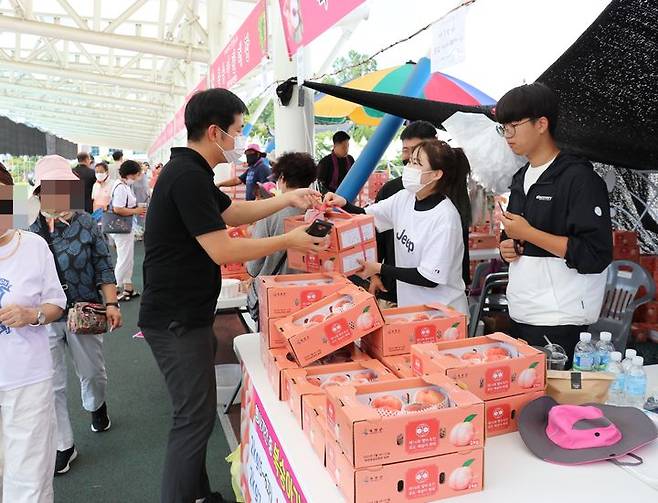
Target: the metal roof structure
pixel 106 73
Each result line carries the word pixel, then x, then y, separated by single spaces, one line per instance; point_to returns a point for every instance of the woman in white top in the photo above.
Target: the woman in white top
pixel 429 244
pixel 124 204
pixel 30 297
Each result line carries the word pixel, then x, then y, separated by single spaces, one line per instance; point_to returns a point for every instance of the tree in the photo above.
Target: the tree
pixel 350 67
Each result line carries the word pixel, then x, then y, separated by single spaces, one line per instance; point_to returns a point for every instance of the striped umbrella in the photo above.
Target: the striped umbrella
pixel 440 87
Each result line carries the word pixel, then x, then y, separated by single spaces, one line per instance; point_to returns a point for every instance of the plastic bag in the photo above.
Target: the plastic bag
pixel 492 161
pixel 236 468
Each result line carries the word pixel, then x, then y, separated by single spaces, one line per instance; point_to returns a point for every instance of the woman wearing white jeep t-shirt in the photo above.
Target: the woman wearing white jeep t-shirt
pixel 429 243
pixel 30 297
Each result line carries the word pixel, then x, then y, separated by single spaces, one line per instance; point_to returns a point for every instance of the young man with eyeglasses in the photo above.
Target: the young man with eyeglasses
pixel 558 235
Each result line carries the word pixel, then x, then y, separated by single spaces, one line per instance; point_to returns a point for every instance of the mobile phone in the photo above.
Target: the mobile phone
pixel 320 228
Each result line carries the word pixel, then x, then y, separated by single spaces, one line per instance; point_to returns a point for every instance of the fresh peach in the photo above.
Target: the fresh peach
pixel 318 318
pixel 473 358
pixel 315 381
pixel 415 407
pixel 461 478
pixel 462 434
pixel 495 353
pixel 528 377
pixel 389 402
pixel 364 377
pixel 335 380
pixel 429 397
pixel 420 317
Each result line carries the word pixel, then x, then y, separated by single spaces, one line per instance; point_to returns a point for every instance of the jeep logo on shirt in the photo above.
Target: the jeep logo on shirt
pixel 405 241
pixel 544 198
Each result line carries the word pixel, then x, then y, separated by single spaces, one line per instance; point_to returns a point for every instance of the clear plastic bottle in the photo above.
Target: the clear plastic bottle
pixel 616 394
pixel 636 384
pixel 583 357
pixel 603 349
pixel 627 363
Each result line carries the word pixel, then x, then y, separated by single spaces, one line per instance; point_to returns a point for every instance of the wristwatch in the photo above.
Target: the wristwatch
pixel 41 319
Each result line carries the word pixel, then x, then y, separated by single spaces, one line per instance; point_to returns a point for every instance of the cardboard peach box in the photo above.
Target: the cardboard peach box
pixel 233 268
pixel 395 421
pixel 280 296
pixel 314 422
pixel 331 323
pixel 418 481
pixel 348 230
pixel 344 262
pixel 400 365
pixel 270 335
pixel 415 325
pixel 299 382
pixel 277 360
pixel 491 366
pixel 502 413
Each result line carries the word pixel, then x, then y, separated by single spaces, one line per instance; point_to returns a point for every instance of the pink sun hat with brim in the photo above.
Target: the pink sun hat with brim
pixel 579 434
pixel 52 167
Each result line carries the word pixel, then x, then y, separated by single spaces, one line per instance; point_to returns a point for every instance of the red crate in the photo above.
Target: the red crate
pixel 647 313
pixel 649 262
pixel 642 332
pixel 627 253
pixel 478 241
pixel 624 239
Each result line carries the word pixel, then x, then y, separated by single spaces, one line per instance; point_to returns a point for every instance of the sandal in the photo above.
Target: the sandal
pixel 127 295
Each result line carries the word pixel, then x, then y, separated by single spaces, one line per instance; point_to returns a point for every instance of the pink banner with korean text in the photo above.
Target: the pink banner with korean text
pixel 244 52
pixel 305 20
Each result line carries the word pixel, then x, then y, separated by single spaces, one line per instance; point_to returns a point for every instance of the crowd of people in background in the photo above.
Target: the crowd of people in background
pixel 185 241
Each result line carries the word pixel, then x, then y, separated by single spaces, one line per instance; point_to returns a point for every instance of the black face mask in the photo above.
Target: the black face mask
pixel 405 161
pixel 252 159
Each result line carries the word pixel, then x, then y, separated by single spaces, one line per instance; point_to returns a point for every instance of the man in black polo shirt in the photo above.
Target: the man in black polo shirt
pixel 185 242
pixel 86 173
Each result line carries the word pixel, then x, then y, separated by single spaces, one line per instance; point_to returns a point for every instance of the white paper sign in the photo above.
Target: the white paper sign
pixel 448 45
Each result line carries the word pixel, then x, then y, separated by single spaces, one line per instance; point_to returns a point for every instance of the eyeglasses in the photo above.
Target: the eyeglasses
pixel 509 130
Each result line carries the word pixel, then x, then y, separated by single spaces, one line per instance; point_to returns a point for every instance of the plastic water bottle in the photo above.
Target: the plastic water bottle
pixel 603 349
pixel 636 384
pixel 616 394
pixel 628 361
pixel 583 357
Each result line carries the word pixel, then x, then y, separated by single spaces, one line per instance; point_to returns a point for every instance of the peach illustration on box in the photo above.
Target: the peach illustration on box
pixel 462 434
pixel 462 478
pixel 528 377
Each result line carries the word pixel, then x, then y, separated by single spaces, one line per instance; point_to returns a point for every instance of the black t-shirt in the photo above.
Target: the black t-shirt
pixel 386 240
pixel 181 282
pixel 88 177
pixel 326 170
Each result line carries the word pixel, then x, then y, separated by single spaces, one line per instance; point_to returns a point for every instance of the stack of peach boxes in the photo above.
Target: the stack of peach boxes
pixel 239 192
pixel 352 239
pixel 236 270
pixel 504 372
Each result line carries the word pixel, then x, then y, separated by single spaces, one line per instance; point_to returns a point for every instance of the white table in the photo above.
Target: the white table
pixel 512 473
pixel 484 254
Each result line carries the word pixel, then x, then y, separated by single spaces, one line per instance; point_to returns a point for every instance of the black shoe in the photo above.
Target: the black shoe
pixel 64 459
pixel 100 421
pixel 217 498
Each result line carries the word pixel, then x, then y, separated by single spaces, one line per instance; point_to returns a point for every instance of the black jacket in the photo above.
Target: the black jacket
pixel 571 200
pixel 88 177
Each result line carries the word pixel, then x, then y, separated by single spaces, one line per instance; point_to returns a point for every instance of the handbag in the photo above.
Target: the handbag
pixel 111 223
pixel 86 318
pixel 83 318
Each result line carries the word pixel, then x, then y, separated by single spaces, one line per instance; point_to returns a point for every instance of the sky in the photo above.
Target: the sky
pixel 507 41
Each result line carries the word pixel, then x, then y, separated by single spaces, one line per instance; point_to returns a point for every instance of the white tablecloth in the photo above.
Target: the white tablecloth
pixel 512 473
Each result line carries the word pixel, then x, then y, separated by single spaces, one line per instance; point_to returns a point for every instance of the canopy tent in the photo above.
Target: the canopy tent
pixel 606 82
pixel 440 87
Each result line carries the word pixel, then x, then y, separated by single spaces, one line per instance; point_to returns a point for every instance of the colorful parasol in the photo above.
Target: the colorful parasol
pixel 440 87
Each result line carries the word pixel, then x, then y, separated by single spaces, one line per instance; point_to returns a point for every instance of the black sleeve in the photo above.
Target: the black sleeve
pixel 199 203
pixel 323 172
pixel 589 227
pixel 406 275
pixel 354 210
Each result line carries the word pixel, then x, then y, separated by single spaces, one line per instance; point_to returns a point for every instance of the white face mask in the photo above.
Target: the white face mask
pixel 57 216
pixel 239 146
pixel 130 181
pixel 412 178
pixel 101 177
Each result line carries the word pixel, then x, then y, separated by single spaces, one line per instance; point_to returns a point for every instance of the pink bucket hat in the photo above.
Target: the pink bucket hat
pixel 578 434
pixel 52 167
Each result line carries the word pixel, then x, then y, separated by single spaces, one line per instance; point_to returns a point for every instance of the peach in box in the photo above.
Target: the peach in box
pixel 348 230
pixel 280 296
pixel 414 418
pixel 297 383
pixel 492 366
pixel 277 360
pixel 331 323
pixel 344 262
pixel 418 481
pixel 414 325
